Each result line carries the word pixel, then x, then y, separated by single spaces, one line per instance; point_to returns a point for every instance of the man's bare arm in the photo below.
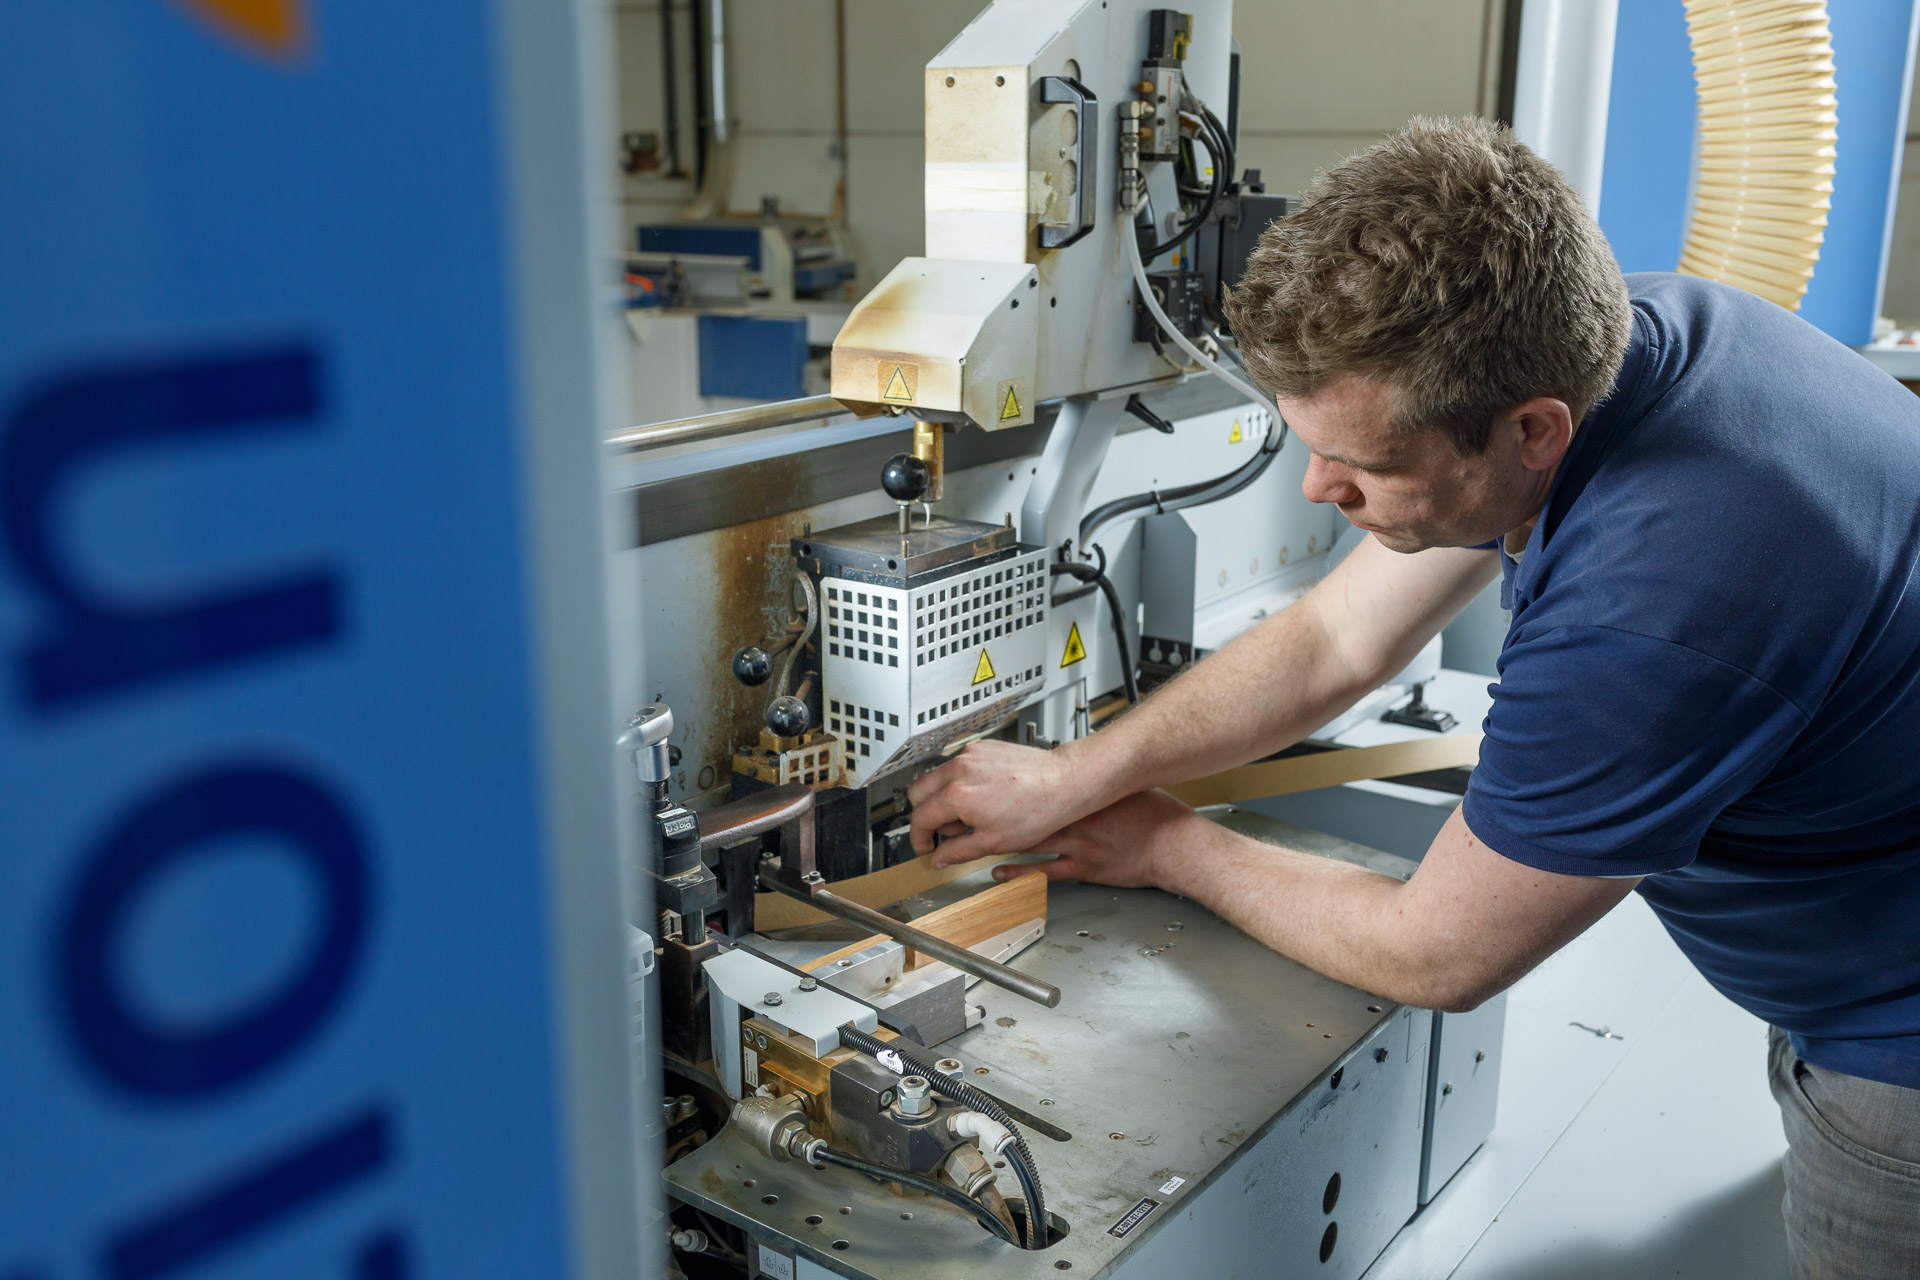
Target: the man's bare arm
pixel 1291 674
pixel 1266 690
pixel 1467 925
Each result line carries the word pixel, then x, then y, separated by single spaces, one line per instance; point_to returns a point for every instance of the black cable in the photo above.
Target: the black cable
pixel 886 1173
pixel 1191 495
pixel 1088 573
pixel 1222 154
pixel 954 1089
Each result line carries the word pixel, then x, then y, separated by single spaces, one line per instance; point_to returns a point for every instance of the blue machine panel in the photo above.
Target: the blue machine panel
pixel 758 357
pixel 733 241
pixel 279 993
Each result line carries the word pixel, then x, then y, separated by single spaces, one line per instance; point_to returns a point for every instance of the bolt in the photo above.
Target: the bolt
pixel 916 1096
pixel 1480 1056
pixel 1446 1088
pixel 746 1033
pixel 886 1098
pixel 809 984
pixel 1046 1102
pixel 1116 1136
pixel 949 1065
pixel 813 877
pixel 760 1041
pixel 771 999
pixel 1379 1055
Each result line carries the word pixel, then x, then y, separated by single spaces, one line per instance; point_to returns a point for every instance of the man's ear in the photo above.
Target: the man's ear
pixel 1545 428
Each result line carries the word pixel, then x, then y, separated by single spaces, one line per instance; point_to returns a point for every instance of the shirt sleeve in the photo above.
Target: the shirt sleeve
pixel 1610 753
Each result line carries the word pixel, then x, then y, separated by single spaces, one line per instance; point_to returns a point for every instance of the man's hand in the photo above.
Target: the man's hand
pixel 995 797
pixel 1125 844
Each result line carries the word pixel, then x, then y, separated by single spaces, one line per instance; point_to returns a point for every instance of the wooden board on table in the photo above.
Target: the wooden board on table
pixel 1330 769
pixel 965 923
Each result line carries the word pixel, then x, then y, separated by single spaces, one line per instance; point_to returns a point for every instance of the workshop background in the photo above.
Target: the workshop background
pixel 826 105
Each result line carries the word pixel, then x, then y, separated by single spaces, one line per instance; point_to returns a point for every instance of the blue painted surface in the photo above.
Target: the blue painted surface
pixel 1651 118
pixel 1873 48
pixel 275 992
pixel 701 237
pixel 758 357
pixel 1650 126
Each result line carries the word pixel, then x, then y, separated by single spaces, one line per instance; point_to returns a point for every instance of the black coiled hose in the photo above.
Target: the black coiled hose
pixel 954 1089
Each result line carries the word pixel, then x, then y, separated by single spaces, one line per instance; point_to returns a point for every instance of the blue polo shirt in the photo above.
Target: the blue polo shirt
pixel 1712 678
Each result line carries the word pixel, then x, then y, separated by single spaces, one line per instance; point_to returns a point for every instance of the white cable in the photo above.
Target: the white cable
pixel 1130 244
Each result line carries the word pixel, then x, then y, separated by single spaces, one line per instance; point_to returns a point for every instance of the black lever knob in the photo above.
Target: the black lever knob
pixel 905 478
pixel 752 666
pixel 788 717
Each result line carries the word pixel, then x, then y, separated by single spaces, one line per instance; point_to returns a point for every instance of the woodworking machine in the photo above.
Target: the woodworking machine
pixel 875 1069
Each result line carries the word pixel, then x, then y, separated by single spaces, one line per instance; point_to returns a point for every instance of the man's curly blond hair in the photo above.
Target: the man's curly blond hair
pixel 1448 261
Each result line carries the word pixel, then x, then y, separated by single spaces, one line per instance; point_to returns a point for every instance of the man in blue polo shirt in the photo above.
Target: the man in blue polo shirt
pixel 1707 515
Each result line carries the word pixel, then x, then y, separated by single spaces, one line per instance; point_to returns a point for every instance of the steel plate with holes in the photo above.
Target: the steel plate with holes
pixel 1188 1075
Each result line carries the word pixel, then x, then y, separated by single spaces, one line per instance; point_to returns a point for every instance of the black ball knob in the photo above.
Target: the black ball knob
pixel 788 717
pixel 752 666
pixel 905 478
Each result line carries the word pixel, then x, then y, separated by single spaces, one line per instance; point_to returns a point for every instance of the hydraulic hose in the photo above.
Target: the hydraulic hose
pixel 954 1089
pixel 1098 577
pixel 886 1173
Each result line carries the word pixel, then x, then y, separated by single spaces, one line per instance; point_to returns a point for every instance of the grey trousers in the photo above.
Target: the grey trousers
pixel 1853 1171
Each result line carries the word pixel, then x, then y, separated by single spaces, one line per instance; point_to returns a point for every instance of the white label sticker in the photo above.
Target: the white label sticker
pixel 891 1061
pixel 750 1068
pixel 778 1266
pixel 1172 1185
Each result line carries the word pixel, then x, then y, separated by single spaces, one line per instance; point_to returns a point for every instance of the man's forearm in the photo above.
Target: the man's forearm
pixel 1266 690
pixel 1289 675
pixel 1338 919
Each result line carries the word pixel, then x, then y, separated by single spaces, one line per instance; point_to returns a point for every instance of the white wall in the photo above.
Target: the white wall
pixel 1320 82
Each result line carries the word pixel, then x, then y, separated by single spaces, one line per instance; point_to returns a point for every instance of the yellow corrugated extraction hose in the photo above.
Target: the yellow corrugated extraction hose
pixel 1764 73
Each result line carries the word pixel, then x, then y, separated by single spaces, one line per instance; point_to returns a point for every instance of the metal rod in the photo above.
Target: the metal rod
pixel 728 422
pixel 998 974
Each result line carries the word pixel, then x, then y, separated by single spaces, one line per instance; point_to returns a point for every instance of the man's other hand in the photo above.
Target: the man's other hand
pixel 1124 844
pixel 994 797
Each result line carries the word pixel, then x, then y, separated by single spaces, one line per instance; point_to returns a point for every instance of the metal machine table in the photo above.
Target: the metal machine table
pixel 1196 1105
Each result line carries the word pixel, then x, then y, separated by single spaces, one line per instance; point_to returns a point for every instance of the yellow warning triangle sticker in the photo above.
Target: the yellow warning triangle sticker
pixel 983 670
pixel 1076 649
pixel 1010 411
pixel 1236 437
pixel 897 388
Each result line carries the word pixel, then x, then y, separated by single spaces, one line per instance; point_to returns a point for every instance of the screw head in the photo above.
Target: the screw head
pixel 771 999
pixel 1446 1088
pixel 1481 1056
pixel 1379 1055
pixel 809 984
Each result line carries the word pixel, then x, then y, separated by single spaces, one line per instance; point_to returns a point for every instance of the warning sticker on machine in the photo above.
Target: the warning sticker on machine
pixel 1010 399
pixel 899 382
pixel 1235 437
pixel 1135 1216
pixel 1076 647
pixel 983 669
